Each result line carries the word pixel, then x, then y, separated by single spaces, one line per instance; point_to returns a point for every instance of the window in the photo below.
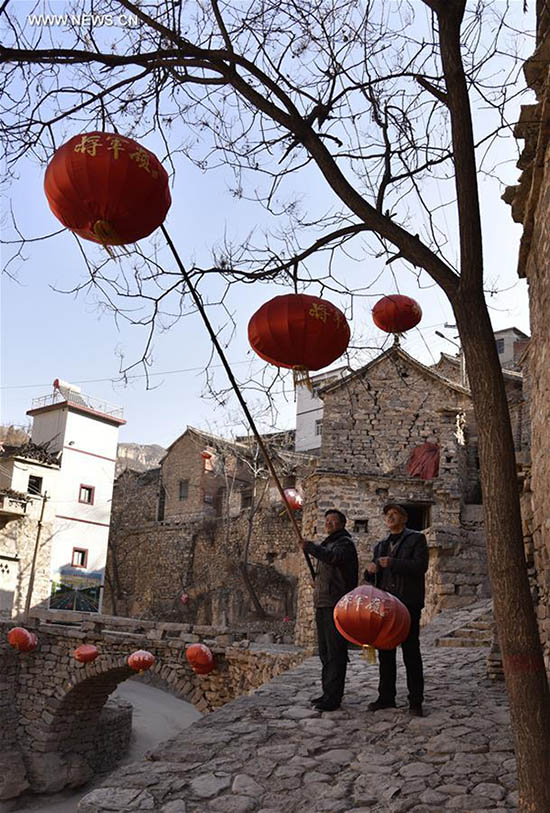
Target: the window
pixel 86 494
pixel 246 498
pixel 500 346
pixel 80 557
pixel 360 526
pixel 419 515
pixel 319 426
pixel 184 489
pixel 35 485
pixel 208 499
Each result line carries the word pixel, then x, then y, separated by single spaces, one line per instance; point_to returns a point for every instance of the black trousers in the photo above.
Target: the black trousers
pixel 413 665
pixel 333 652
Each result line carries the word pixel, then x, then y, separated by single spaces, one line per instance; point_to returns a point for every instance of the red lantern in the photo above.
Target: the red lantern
pixel 368 616
pixel 86 653
pixel 200 659
pixel 184 598
pixel 107 188
pixel 299 331
pixel 293 498
pixel 206 455
pixel 22 640
pixel 396 313
pixel 141 660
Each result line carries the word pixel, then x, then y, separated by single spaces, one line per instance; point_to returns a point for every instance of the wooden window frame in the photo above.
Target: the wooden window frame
pixel 92 494
pixel 80 550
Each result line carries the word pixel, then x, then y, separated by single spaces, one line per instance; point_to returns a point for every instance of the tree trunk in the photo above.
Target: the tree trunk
pixel 526 679
pixel 244 563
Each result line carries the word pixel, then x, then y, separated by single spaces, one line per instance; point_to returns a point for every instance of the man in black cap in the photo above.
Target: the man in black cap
pixel 398 567
pixel 336 574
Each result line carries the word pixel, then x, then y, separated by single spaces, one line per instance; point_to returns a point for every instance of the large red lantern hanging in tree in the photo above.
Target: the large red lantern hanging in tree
pixel 141 660
pixel 85 653
pixel 107 188
pixel 396 313
pixel 21 639
pixel 368 616
pixel 200 659
pixel 299 331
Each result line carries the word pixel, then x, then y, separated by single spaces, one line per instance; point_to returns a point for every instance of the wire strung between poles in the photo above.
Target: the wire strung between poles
pixel 200 307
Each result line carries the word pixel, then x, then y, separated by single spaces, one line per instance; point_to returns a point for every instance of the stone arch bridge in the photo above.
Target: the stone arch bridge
pixel 58 728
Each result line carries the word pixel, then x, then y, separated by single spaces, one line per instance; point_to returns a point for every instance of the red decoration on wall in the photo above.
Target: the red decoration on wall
pixel 396 313
pixel 423 461
pixel 141 660
pixel 107 188
pixel 367 615
pixel 22 640
pixel 299 331
pixel 184 598
pixel 294 498
pixel 86 653
pixel 206 455
pixel 200 659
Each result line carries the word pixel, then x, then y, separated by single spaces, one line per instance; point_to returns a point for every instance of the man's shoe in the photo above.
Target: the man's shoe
pixel 324 705
pixel 416 711
pixel 380 704
pixel 315 700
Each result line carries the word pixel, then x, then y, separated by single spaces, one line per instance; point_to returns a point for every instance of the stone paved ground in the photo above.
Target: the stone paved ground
pixel 270 752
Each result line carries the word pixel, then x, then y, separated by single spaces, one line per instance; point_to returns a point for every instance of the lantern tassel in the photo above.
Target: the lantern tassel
pixel 301 377
pixel 107 236
pixel 369 653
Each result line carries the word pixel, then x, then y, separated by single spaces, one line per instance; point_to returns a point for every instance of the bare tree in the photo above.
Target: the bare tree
pixel 373 100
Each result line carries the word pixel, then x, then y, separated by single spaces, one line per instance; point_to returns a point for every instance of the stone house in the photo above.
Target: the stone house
pixel 374 419
pixel 188 528
pixel 28 476
pixel 530 202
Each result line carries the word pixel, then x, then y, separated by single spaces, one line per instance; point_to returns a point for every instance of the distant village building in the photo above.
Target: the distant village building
pixel 56 497
pixel 309 410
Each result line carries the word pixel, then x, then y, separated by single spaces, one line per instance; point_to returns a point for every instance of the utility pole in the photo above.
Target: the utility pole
pixel 34 558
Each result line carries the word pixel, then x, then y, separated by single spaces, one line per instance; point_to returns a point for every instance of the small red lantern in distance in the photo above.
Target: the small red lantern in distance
pixel 21 639
pixel 299 331
pixel 293 498
pixel 141 660
pixel 396 313
pixel 200 659
pixel 370 616
pixel 206 455
pixel 107 188
pixel 184 598
pixel 86 653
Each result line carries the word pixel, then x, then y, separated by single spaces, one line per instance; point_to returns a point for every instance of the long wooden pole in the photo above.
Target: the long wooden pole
pixel 228 370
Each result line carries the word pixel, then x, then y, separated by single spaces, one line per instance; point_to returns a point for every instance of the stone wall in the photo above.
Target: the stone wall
pixel 56 731
pixel 18 539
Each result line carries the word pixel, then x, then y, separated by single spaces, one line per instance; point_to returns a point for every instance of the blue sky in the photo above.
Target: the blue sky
pixel 46 335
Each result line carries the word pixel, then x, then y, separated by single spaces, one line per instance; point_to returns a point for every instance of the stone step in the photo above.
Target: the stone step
pixel 462 642
pixel 468 632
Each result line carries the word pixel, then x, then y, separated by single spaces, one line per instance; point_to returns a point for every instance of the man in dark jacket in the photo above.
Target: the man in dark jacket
pixel 336 575
pixel 398 567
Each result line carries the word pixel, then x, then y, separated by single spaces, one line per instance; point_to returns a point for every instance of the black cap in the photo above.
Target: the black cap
pixel 397 506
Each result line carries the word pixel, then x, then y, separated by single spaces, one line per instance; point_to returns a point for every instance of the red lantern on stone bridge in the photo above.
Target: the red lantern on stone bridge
pixel 200 659
pixel 141 660
pixel 85 653
pixel 22 640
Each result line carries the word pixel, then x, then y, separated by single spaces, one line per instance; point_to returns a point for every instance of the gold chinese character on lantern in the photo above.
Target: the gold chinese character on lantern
pixel 89 145
pixel 319 312
pixel 141 156
pixel 115 144
pixel 375 606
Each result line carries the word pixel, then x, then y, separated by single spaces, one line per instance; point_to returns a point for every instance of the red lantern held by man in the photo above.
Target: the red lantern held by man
pixel 396 313
pixel 299 331
pixel 200 659
pixel 107 188
pixel 294 498
pixel 141 660
pixel 372 618
pixel 22 640
pixel 85 653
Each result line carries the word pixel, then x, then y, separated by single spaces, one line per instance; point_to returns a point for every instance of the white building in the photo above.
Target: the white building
pixel 511 342
pixel 309 410
pixel 83 431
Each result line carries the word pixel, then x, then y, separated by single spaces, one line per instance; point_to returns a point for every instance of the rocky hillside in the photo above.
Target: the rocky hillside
pixel 138 457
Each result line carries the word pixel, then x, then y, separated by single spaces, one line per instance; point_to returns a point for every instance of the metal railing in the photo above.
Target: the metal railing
pixel 79 399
